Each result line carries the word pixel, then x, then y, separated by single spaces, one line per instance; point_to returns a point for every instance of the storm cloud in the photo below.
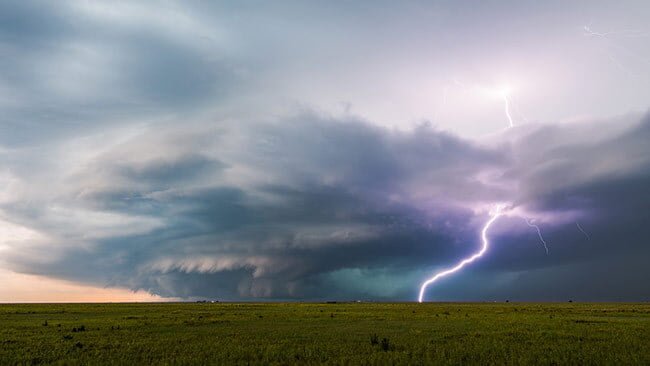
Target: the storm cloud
pixel 319 152
pixel 283 209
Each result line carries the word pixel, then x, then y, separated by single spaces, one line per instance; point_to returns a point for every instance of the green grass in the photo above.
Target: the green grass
pixel 446 333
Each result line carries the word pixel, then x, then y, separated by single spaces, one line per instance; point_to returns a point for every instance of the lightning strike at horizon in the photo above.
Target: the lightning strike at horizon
pixel 459 266
pixel 539 233
pixel 504 95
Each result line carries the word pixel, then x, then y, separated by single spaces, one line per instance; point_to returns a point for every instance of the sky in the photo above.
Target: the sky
pixel 257 151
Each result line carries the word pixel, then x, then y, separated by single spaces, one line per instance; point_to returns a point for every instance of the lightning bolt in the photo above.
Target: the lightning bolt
pixel 515 105
pixel 624 32
pixel 584 232
pixel 497 213
pixel 611 38
pixel 506 103
pixel 539 233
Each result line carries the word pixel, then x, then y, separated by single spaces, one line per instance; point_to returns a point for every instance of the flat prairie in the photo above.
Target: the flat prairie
pixel 325 333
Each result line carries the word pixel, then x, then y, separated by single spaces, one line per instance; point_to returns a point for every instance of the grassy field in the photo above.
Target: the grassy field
pixel 347 333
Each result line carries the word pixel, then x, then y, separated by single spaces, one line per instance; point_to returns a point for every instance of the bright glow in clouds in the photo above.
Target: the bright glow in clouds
pixel 493 216
pixel 503 92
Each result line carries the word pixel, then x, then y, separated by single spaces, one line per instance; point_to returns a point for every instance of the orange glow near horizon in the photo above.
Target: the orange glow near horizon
pixel 24 288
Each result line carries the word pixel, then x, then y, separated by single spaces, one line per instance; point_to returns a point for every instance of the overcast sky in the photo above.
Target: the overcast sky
pixel 323 150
